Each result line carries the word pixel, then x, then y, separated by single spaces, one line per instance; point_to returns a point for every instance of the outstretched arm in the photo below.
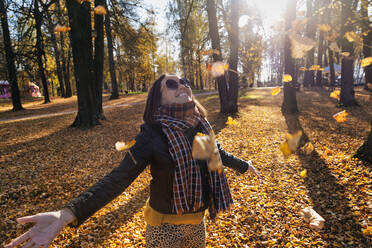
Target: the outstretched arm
pixel 236 163
pixel 48 225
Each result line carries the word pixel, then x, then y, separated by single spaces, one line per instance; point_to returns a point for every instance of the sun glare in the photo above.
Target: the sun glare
pixel 271 10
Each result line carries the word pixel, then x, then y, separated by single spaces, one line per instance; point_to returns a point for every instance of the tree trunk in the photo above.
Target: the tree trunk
pixel 98 60
pixel 320 59
pixel 233 33
pixel 347 96
pixel 367 42
pixel 332 68
pixel 12 71
pixel 114 84
pixel 215 40
pixel 40 51
pixel 56 56
pixel 66 69
pixel 81 43
pixel 365 151
pixel 310 32
pixel 289 105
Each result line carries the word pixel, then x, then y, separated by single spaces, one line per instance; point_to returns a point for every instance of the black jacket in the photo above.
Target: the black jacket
pixel 151 147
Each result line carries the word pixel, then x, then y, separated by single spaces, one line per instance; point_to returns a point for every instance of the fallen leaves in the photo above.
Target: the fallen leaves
pixel 231 121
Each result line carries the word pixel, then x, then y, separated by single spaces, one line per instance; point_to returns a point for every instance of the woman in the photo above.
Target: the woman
pixel 181 188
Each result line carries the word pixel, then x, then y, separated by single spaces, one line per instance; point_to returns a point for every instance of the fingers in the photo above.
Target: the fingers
pixel 27 219
pixel 18 240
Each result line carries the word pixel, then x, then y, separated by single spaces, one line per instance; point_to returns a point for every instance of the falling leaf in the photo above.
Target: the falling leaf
pixel 303 173
pixel 366 61
pixel 324 27
pixel 121 146
pixel 231 121
pixel 367 231
pixel 291 144
pixel 308 148
pixel 352 37
pixel 303 69
pixel 81 1
pixel 340 116
pixel 100 10
pixel 285 149
pixel 335 94
pixel 314 68
pixel 59 29
pixel 275 91
pixel 211 51
pixel 218 69
pixel 345 54
pixel 287 78
pixel 300 45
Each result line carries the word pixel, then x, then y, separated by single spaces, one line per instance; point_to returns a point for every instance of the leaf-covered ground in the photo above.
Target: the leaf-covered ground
pixel 44 164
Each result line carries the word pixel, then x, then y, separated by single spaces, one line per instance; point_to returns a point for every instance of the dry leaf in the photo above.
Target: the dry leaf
pixel 340 116
pixel 308 148
pixel 303 69
pixel 303 173
pixel 100 10
pixel 121 146
pixel 287 78
pixel 211 51
pixel 59 29
pixel 324 27
pixel 300 45
pixel 231 121
pixel 275 91
pixel 345 54
pixel 366 62
pixel 336 94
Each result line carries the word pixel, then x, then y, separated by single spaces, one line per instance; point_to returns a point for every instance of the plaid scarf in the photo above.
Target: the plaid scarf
pixel 187 186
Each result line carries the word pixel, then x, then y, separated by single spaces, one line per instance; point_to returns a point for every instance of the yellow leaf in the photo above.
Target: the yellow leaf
pixel 121 146
pixel 217 69
pixel 308 148
pixel 100 10
pixel 210 51
pixel 200 134
pixel 335 94
pixel 345 54
pixel 231 121
pixel 275 91
pixel 352 36
pixel 324 27
pixel 303 69
pixel 366 61
pixel 287 78
pixel 367 231
pixel 340 116
pixel 303 173
pixel 314 68
pixel 60 28
pixel 285 149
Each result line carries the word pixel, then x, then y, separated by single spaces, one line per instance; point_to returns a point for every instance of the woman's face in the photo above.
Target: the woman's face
pixel 175 90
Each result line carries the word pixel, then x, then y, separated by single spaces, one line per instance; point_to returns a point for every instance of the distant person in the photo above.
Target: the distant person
pixel 181 189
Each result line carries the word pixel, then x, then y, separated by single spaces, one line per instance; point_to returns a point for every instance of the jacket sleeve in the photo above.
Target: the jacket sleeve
pixel 231 161
pixel 113 184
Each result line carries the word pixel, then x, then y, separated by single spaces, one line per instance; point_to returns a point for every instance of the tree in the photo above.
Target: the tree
pixel 215 40
pixel 12 71
pixel 233 33
pixel 81 43
pixel 98 60
pixel 347 96
pixel 310 32
pixel 289 104
pixel 367 41
pixel 322 4
pixel 114 84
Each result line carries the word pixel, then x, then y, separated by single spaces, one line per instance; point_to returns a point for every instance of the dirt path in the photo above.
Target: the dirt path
pixel 44 164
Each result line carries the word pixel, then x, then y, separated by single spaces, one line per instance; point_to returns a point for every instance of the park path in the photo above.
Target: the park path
pixel 39 116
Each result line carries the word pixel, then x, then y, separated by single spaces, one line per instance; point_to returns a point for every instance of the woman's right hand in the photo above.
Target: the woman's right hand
pixel 47 226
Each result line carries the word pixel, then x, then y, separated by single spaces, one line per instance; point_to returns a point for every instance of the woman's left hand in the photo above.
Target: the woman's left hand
pixel 252 169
